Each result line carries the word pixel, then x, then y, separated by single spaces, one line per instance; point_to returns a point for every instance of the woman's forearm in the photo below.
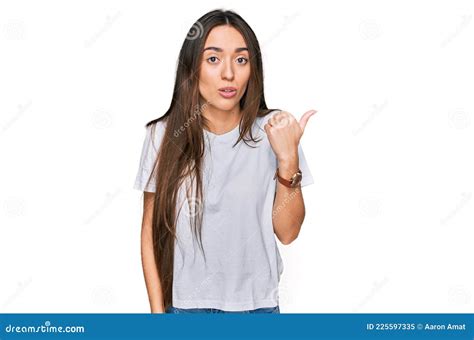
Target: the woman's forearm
pixel 152 279
pixel 150 271
pixel 288 206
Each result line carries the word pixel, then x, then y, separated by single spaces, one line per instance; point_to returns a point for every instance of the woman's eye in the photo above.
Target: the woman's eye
pixel 212 60
pixel 242 60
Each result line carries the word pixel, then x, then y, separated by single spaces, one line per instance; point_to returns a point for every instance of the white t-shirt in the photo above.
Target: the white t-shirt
pixel 243 265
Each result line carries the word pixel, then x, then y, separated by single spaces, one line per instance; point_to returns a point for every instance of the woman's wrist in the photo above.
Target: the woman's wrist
pixel 288 167
pixel 157 310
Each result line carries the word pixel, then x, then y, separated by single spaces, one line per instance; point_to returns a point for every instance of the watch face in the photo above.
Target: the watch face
pixel 296 180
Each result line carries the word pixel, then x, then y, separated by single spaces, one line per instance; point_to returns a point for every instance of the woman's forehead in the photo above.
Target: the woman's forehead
pixel 226 38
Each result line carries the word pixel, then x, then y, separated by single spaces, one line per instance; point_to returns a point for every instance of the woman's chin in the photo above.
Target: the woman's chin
pixel 225 104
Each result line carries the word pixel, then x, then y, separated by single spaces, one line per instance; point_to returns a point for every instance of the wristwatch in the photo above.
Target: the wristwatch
pixel 294 181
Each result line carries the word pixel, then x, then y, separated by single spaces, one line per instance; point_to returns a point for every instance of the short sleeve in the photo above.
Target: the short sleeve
pixel 307 177
pixel 144 180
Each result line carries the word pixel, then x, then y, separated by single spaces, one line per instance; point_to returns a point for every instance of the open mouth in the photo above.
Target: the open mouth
pixel 228 92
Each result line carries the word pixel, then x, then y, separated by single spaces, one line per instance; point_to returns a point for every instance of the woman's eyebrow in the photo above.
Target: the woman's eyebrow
pixel 218 49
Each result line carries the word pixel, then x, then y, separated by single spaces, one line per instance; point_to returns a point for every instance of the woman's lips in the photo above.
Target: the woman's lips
pixel 228 92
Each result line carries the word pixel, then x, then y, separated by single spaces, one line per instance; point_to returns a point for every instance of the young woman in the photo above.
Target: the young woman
pixel 221 175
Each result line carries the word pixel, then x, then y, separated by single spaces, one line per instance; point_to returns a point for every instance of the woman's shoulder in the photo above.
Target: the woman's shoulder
pixel 156 124
pixel 155 130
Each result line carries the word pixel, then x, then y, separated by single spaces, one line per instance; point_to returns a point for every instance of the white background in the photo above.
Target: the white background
pixel 389 222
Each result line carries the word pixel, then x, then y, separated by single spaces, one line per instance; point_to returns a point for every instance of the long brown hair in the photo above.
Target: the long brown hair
pixel 181 151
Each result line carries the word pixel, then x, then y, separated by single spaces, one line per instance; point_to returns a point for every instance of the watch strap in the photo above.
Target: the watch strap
pixel 284 181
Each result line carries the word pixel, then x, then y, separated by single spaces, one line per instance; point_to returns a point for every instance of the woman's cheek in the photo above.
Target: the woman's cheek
pixel 205 90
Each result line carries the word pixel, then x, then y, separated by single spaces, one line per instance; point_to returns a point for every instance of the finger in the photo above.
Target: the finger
pixel 274 117
pixel 267 128
pixel 304 119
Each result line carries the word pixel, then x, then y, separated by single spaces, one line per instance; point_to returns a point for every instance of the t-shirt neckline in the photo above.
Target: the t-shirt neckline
pixel 225 137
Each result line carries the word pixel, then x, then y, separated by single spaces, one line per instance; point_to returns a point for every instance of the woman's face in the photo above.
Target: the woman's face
pixel 225 63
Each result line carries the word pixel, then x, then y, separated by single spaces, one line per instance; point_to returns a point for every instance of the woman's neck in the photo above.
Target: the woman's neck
pixel 221 121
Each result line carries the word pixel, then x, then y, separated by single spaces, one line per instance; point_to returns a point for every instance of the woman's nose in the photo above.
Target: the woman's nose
pixel 227 70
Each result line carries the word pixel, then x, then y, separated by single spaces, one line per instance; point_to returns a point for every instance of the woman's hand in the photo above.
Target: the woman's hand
pixel 284 133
